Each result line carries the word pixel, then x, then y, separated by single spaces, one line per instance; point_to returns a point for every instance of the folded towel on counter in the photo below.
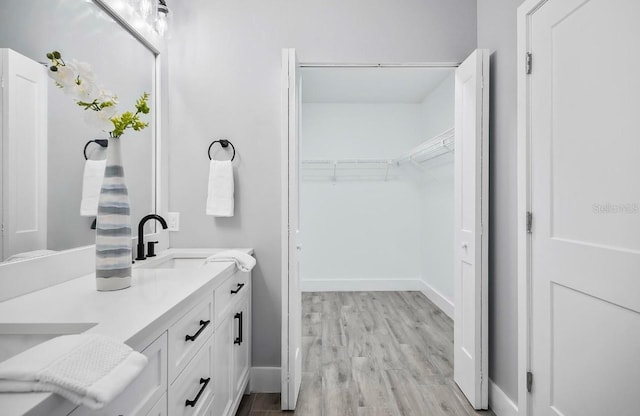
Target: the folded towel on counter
pixel 86 369
pixel 220 199
pixel 245 262
pixel 91 184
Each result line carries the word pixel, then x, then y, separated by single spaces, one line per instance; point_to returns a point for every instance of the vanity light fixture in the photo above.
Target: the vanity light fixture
pixel 145 7
pixel 162 18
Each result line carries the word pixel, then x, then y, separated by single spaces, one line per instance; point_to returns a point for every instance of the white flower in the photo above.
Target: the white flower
pixel 64 76
pixel 85 91
pixel 105 95
pixel 83 70
pixel 100 119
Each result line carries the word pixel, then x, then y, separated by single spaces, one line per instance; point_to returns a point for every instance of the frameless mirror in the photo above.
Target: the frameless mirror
pixel 85 31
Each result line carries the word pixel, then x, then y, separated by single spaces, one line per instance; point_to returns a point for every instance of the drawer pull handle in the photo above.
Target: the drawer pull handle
pixel 192 403
pixel 238 339
pixel 237 289
pixel 203 325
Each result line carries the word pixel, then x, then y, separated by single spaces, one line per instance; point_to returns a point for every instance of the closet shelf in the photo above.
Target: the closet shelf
pixel 430 149
pixel 378 168
pixel 367 169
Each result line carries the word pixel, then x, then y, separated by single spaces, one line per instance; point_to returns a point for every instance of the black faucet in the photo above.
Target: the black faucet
pixel 143 221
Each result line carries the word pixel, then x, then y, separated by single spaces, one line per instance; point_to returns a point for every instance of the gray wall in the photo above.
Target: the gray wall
pixel 497 32
pixel 225 82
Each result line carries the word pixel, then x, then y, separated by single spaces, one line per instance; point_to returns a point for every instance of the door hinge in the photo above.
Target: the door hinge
pixel 529 381
pixel 529 61
pixel 529 222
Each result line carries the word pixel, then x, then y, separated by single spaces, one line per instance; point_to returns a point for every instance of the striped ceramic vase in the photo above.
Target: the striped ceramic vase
pixel 113 225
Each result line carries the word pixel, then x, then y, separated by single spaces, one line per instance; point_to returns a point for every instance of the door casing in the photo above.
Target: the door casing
pixel 285 166
pixel 523 184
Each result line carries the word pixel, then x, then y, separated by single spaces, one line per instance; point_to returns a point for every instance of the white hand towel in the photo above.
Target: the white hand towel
pixel 86 369
pixel 91 184
pixel 243 261
pixel 220 199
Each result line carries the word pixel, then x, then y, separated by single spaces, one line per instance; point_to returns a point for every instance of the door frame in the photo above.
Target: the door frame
pixel 285 200
pixel 523 184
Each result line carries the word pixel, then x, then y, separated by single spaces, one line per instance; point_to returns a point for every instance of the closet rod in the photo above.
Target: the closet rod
pixel 346 161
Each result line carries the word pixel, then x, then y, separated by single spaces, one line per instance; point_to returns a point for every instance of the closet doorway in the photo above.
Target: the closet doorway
pixel 385 197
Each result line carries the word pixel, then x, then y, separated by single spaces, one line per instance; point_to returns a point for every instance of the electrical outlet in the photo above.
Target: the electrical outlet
pixel 173 219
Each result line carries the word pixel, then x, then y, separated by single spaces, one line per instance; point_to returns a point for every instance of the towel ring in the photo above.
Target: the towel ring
pixel 224 143
pixel 101 142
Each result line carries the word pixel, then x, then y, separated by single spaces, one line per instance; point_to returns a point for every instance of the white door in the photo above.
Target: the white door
pixel 291 296
pixel 471 205
pixel 24 153
pixel 584 140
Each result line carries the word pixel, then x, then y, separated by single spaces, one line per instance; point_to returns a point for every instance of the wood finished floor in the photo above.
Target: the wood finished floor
pixel 372 354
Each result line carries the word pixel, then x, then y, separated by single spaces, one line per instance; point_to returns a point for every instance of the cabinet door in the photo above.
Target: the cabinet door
pixel 160 408
pixel 144 391
pixel 223 370
pixel 241 346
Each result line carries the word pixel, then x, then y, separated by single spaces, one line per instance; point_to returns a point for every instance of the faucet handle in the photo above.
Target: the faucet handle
pixel 151 248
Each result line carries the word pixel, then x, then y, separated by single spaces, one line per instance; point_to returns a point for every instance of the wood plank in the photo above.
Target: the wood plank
pixel 377 354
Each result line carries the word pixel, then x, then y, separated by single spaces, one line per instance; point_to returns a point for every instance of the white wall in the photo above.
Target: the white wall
pixel 497 31
pixel 359 230
pixel 225 81
pixel 437 111
pixel 438 108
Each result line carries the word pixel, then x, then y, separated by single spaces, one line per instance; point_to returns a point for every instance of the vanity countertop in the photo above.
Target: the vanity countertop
pixel 128 315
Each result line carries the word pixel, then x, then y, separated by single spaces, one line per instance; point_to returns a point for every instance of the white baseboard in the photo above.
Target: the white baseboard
pixel 500 403
pixel 442 302
pixel 359 285
pixel 265 380
pixel 373 285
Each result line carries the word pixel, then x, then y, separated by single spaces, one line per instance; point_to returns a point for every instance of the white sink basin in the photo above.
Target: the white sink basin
pixel 171 262
pixel 15 338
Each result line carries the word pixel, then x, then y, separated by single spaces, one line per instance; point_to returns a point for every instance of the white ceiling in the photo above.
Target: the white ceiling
pixel 370 84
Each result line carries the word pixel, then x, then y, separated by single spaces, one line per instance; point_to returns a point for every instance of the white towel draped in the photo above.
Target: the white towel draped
pixel 86 369
pixel 220 199
pixel 243 261
pixel 91 184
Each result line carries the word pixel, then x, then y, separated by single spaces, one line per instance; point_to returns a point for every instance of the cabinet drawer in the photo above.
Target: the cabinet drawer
pixel 160 408
pixel 188 334
pixel 209 411
pixel 192 392
pixel 233 288
pixel 141 395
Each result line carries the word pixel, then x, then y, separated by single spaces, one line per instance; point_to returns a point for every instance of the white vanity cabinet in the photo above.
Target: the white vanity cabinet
pixel 232 349
pixel 200 363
